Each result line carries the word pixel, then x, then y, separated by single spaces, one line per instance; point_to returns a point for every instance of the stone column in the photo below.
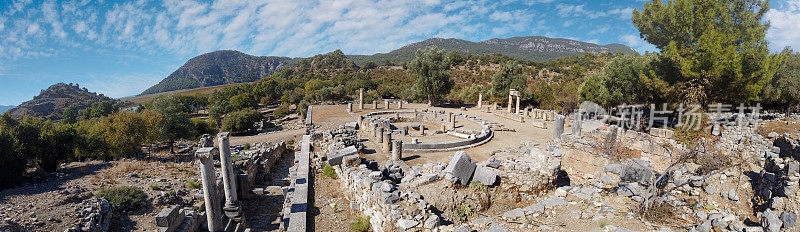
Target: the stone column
pixel 422 130
pixel 228 174
pixel 397 150
pixel 360 99
pixel 480 100
pixel 450 116
pixel 405 130
pixel 444 127
pixel 453 122
pixel 494 106
pixel 509 101
pixel 558 128
pixel 379 135
pixel 350 107
pixel 375 104
pixel 374 129
pixel 387 141
pixel 517 104
pixel 210 195
pixel 397 116
pixel 576 125
pixel 386 104
pixel 400 104
pixel 416 114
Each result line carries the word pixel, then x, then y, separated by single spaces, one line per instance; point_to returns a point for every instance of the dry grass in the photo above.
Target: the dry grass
pixel 658 212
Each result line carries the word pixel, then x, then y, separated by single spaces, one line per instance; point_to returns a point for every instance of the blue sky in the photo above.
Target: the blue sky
pixel 119 48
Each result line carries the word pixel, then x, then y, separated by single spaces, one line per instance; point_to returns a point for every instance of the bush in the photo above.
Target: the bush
pixel 361 224
pixel 13 162
pixel 328 171
pixel 124 198
pixel 155 187
pixel 240 121
pixel 463 212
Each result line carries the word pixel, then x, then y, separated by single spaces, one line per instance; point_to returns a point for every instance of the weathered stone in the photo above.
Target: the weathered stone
pixel 405 224
pixel 462 167
pixel 496 228
pixel 463 228
pixel 336 158
pixel 485 175
pixel 492 162
pixel 770 221
pixel 788 219
pixel 553 202
pixel 432 222
pixel 535 208
pixel 704 227
pixel 732 195
pixel 167 216
pixel 514 213
pixel 631 189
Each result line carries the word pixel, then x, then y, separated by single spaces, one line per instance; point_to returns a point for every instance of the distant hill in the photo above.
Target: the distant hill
pixel 531 48
pixel 51 102
pixel 3 109
pixel 220 68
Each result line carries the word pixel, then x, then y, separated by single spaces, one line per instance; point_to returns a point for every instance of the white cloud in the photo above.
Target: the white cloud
pixel 785 29
pixel 637 43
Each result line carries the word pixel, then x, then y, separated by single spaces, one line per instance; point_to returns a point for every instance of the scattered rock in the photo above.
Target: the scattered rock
pixel 788 219
pixel 405 224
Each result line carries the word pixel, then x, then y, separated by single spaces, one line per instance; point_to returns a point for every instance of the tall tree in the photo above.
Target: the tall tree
pixel 783 90
pixel 715 51
pixel 431 69
pixel 508 76
pixel 176 124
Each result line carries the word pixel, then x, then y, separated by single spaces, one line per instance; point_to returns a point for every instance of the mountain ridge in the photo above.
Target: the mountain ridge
pixel 219 68
pixel 530 48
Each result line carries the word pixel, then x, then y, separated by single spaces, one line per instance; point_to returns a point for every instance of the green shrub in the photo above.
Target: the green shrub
pixel 193 184
pixel 247 146
pixel 124 198
pixel 240 121
pixel 202 126
pixel 13 162
pixel 463 212
pixel 361 224
pixel 155 187
pixel 477 186
pixel 281 111
pixel 328 171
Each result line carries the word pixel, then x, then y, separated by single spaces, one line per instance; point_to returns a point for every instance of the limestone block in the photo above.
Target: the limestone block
pixel 485 175
pixel 337 157
pixel 461 167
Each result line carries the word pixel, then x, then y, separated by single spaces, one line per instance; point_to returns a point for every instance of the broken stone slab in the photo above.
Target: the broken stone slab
pixel 485 175
pixel 432 222
pixel 169 219
pixel 788 219
pixel 770 221
pixel 463 228
pixel 553 202
pixel 514 213
pixel 461 167
pixel 337 157
pixel 535 208
pixel 496 228
pixel 405 224
pixel 493 162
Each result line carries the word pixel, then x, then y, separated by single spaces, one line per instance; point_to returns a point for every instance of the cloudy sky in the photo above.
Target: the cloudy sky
pixel 119 48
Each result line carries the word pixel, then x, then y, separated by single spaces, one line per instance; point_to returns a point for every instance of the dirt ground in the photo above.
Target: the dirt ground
pixel 51 205
pixel 780 127
pixel 331 211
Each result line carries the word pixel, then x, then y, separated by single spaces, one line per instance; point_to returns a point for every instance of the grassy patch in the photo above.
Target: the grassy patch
pixel 193 184
pixel 361 224
pixel 477 186
pixel 328 171
pixel 658 212
pixel 124 198
pixel 155 187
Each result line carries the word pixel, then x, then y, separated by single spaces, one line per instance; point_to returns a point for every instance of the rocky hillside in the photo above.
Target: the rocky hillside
pixel 220 68
pixel 533 48
pixel 51 102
